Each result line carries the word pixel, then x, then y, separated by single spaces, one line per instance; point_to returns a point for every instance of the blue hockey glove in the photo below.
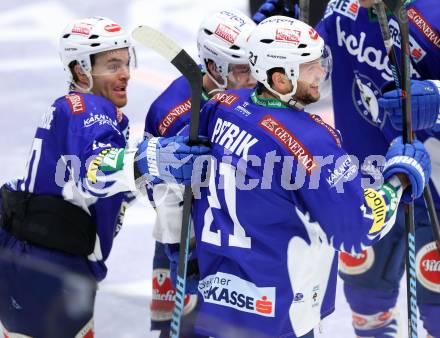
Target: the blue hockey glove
pixel 275 7
pixel 425 104
pixel 171 159
pixel 192 272
pixel 411 160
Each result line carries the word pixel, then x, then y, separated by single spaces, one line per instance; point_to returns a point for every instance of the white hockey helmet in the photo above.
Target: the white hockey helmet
pixel 85 37
pixel 283 42
pixel 222 38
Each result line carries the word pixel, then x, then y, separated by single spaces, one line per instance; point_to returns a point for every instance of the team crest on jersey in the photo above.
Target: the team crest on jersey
pixel 231 291
pixel 292 144
pixel 226 33
pixel 173 115
pixel 348 8
pixel 365 93
pixel 357 263
pixel 164 295
pixel 76 103
pixel 226 99
pixel 288 35
pixel 428 267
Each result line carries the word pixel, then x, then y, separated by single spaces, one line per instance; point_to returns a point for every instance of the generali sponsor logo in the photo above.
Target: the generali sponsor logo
pixel 173 115
pixel 76 103
pixel 226 99
pixel 428 267
pixel 287 35
pixel 356 264
pixel 229 290
pixel 226 33
pixel 292 144
pixel 424 26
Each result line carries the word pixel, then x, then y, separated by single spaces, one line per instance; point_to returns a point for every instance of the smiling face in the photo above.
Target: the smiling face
pixel 110 74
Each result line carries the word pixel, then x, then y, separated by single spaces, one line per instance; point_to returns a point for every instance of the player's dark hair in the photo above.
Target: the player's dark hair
pixel 72 65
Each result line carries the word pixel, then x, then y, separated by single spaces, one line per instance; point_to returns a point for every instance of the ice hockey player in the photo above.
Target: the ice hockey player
pixel 351 30
pixel 221 42
pixel 284 196
pixel 58 222
pixel 363 69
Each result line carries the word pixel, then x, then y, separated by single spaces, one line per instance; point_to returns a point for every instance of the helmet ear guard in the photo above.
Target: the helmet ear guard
pixel 85 37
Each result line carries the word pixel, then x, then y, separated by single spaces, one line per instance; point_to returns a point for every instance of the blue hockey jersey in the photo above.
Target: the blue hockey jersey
pixel 282 196
pixel 361 67
pixel 79 153
pixel 170 112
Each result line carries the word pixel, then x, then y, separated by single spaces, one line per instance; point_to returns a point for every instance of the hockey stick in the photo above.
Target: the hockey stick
pixel 402 80
pixel 435 226
pixel 304 8
pixel 190 70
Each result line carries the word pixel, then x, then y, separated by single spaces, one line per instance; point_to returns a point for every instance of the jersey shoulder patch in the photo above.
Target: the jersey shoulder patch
pixel 331 131
pixel 76 103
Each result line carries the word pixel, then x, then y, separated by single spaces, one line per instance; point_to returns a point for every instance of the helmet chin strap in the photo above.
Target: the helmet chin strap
pixel 287 98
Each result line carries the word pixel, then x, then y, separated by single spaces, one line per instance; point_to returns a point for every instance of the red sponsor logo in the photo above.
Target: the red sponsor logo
pixel 164 295
pixel 351 261
pixel 82 29
pixel 313 34
pixel 226 99
pixel 288 35
pixel 423 26
pixel 173 115
pixel 416 53
pixel 226 33
pixel 428 267
pixel 76 103
pixel 292 144
pixel 384 316
pixel 359 321
pixel 263 305
pixel 356 264
pixel 332 132
pixel 114 27
pixel 354 7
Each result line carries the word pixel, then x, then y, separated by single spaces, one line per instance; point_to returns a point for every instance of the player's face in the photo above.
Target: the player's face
pixel 240 77
pixel 110 74
pixel 366 3
pixel 310 76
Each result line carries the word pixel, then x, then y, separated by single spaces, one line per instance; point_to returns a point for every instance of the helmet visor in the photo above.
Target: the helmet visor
pixel 239 76
pixel 116 62
pixel 316 75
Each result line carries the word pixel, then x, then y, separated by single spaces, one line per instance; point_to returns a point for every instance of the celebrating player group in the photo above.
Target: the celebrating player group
pixel 281 201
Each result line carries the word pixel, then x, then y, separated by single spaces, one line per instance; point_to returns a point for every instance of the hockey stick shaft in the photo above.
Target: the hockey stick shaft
pixel 190 70
pixel 304 8
pixel 403 81
pixel 429 202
